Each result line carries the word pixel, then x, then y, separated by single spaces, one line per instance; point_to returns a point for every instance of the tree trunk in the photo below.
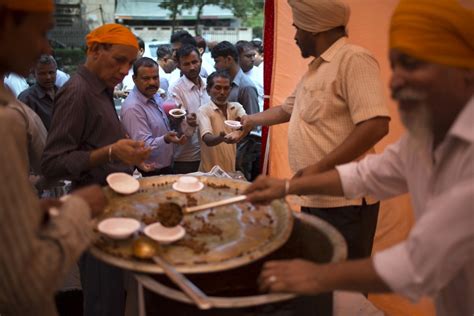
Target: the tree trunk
pixel 198 19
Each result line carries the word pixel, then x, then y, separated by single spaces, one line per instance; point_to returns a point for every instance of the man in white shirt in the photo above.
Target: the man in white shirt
pixel 247 53
pixel 190 92
pixel 432 60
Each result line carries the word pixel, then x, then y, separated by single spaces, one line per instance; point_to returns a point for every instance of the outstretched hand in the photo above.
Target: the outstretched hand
pixel 265 189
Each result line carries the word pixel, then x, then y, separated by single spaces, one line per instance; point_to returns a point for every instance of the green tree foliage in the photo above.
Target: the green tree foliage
pixel 243 9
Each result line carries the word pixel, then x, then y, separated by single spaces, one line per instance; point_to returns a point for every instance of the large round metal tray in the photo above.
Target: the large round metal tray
pixel 216 240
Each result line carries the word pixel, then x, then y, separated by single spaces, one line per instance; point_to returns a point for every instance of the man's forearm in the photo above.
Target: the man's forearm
pixel 212 140
pixel 272 116
pixel 354 275
pixel 100 156
pixel 326 183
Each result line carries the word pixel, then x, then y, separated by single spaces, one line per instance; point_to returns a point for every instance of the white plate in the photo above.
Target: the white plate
pixel 176 187
pixel 118 227
pixel 123 183
pixel 172 113
pixel 233 124
pixel 164 235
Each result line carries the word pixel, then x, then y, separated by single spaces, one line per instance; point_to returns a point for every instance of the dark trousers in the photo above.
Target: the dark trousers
pixel 248 156
pixel 356 223
pixel 157 172
pixel 102 286
pixel 183 167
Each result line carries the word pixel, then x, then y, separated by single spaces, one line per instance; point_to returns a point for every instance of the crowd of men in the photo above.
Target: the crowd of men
pixel 336 114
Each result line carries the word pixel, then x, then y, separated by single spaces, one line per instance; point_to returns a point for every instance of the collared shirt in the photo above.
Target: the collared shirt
pixel 437 258
pixel 211 120
pixel 35 256
pixel 61 78
pixel 40 102
pixel 340 89
pixel 84 119
pixel 191 97
pixel 256 75
pixel 145 120
pixel 15 83
pixel 244 92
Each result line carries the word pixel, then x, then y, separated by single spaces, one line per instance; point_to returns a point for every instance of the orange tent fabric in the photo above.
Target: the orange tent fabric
pixel 368 27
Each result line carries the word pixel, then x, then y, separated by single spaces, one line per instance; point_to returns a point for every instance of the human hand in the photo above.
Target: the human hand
pixel 247 123
pixel 292 276
pixel 94 196
pixel 172 137
pixel 130 152
pixel 265 189
pixel 147 167
pixel 233 137
pixel 191 119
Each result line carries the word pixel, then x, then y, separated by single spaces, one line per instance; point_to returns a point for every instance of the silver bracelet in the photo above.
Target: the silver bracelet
pixel 287 186
pixel 110 153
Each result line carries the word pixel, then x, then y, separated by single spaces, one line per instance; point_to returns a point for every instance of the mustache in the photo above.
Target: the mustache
pixel 151 87
pixel 408 95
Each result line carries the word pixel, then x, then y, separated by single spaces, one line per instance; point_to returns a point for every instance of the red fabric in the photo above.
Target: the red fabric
pixel 268 41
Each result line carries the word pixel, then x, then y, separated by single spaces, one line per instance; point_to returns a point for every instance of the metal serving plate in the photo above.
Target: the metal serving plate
pixel 216 240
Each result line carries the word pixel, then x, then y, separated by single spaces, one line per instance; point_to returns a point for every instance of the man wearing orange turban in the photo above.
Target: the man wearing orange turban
pixel 38 249
pixel 432 59
pixel 28 5
pixel 86 143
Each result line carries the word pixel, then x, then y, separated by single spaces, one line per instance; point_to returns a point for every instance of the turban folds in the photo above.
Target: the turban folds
pixel 319 15
pixel 438 31
pixel 112 34
pixel 29 5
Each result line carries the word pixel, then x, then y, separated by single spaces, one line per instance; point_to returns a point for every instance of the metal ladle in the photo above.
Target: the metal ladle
pixel 171 214
pixel 145 249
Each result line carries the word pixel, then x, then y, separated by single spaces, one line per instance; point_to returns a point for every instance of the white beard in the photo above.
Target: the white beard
pixel 417 120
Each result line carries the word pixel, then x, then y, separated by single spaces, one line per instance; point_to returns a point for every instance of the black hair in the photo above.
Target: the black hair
pixel 217 74
pixel 186 50
pixel 47 60
pixel 141 43
pixel 224 49
pixel 200 42
pixel 242 46
pixel 257 45
pixel 163 50
pixel 183 37
pixel 143 62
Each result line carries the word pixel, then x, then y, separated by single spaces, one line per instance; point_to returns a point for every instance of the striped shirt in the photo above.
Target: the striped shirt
pixel 35 255
pixel 84 119
pixel 340 89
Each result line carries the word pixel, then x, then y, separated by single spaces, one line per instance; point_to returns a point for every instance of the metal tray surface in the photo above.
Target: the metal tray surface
pixel 216 239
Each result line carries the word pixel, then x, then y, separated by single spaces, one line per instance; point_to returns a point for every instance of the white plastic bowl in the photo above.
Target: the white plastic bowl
pixel 177 113
pixel 188 184
pixel 233 124
pixel 164 235
pixel 118 227
pixel 123 183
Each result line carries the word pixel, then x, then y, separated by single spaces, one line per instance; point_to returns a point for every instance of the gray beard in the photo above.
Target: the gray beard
pixel 418 124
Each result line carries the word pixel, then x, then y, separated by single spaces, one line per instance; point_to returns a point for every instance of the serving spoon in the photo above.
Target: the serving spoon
pixel 145 249
pixel 171 214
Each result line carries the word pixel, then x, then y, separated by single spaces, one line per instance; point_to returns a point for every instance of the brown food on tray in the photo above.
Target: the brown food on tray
pixel 169 214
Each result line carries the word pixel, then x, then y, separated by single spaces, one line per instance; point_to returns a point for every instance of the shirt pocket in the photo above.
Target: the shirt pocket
pixel 313 101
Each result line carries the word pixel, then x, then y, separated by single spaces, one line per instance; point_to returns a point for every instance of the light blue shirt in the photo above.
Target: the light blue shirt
pixel 144 119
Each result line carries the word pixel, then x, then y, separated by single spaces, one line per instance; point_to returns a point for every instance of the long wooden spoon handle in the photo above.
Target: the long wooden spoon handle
pixel 198 297
pixel 232 200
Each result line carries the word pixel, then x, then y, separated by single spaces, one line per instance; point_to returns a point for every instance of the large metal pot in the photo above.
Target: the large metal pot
pixel 311 239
